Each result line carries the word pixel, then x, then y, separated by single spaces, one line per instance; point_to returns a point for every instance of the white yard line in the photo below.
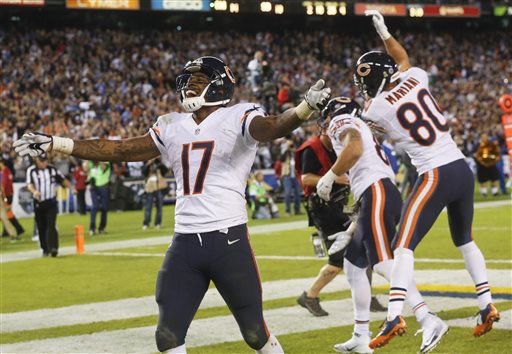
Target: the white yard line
pixel 221 329
pixel 303 258
pixel 146 306
pixel 162 240
pixel 150 241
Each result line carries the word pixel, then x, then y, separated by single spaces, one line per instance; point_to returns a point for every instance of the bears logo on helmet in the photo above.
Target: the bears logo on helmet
pixel 218 91
pixel 373 72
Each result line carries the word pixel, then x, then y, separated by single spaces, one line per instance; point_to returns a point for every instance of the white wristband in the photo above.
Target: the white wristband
pixel 303 111
pixel 384 34
pixel 64 145
pixel 330 176
pixel 351 228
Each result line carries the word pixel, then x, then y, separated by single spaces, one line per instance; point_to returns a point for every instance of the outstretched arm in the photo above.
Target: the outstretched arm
pixel 265 129
pixel 141 148
pixel 393 47
pixel 134 149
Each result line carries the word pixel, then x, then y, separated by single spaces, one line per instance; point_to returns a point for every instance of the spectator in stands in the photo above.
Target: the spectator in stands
pixel 255 68
pixel 487 156
pixel 80 177
pixel 98 176
pixel 155 184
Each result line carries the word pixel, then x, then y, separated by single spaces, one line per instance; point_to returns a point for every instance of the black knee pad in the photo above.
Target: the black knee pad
pixel 255 338
pixel 166 339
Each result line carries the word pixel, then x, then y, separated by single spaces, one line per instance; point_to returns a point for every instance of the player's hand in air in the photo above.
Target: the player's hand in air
pixel 378 23
pixel 324 185
pixel 315 99
pixel 341 241
pixel 318 96
pixel 33 144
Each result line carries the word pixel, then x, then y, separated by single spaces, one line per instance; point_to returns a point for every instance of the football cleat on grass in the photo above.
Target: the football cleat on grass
pixel 357 344
pixel 484 320
pixel 389 330
pixel 432 331
pixel 312 304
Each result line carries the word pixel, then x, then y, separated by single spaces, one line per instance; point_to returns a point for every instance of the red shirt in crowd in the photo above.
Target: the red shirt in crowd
pixel 80 177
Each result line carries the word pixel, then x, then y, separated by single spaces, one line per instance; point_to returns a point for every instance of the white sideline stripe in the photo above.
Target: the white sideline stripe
pixel 150 241
pixel 162 240
pixel 220 329
pixel 146 306
pixel 303 258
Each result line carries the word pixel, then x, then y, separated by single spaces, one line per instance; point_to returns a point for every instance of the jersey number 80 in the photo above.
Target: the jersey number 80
pixel 422 128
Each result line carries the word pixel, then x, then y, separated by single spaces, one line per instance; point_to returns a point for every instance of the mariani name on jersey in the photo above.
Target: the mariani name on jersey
pixel 403 89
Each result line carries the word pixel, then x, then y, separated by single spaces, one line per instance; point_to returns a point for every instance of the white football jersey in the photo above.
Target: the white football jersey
pixel 373 164
pixel 414 121
pixel 211 162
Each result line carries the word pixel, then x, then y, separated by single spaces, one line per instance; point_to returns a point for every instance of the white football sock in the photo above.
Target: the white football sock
pixel 401 276
pixel 483 190
pixel 494 190
pixel 178 350
pixel 475 264
pixel 271 347
pixel 413 298
pixel 361 296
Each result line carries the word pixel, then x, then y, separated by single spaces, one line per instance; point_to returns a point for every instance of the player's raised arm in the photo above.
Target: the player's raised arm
pixel 141 148
pixel 393 48
pixel 265 129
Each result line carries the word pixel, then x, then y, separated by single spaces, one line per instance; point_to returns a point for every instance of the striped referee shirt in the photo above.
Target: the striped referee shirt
pixel 45 180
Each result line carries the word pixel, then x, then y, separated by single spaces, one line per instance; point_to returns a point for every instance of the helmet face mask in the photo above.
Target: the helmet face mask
pixel 373 72
pixel 218 91
pixel 341 105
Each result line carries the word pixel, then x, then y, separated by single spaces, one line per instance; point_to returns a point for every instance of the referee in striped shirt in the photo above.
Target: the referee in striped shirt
pixel 42 179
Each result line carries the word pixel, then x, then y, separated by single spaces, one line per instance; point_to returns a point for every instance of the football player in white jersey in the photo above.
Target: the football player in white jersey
pixel 399 100
pixel 372 181
pixel 210 149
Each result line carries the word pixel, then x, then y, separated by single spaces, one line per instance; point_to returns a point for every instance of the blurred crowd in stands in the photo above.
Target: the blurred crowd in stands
pixel 87 83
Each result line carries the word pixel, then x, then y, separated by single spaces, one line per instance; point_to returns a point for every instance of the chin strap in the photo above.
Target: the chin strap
pixel 192 104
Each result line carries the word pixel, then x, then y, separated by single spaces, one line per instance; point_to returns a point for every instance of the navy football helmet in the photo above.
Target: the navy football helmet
pixel 219 90
pixel 374 71
pixel 341 105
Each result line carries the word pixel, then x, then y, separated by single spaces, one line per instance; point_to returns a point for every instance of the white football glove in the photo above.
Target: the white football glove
pixel 324 185
pixel 378 23
pixel 32 144
pixel 318 96
pixel 342 240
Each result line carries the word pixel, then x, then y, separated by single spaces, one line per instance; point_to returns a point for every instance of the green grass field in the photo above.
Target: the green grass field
pixel 117 274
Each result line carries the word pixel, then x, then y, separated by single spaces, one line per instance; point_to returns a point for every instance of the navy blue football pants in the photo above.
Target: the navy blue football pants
pixel 190 263
pixel 376 224
pixel 450 186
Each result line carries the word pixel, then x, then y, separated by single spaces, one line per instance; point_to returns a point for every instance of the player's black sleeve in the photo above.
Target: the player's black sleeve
pixel 310 163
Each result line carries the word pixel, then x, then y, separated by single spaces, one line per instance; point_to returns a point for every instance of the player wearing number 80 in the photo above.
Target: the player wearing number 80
pixel 399 100
pixel 210 149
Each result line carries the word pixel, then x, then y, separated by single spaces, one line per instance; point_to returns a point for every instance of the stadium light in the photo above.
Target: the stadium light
pixel 319 9
pixel 416 12
pixel 279 9
pixel 234 8
pixel 220 5
pixel 266 6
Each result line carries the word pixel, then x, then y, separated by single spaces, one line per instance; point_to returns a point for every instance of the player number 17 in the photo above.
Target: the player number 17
pixel 207 147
